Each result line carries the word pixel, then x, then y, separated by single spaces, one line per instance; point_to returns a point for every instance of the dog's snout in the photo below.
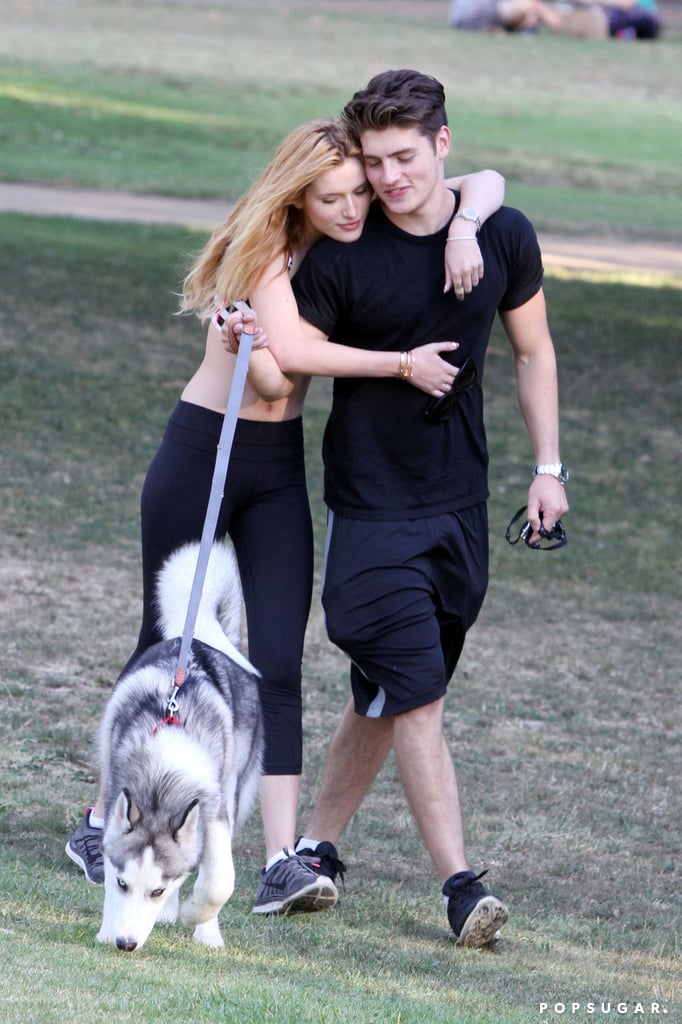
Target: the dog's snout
pixel 127 945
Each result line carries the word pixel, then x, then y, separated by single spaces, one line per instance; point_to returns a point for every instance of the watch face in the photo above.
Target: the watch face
pixel 471 215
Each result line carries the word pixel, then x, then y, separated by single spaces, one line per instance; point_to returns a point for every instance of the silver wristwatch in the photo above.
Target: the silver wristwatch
pixel 471 215
pixel 555 469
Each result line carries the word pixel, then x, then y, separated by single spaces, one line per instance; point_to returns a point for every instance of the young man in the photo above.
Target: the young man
pixel 406 568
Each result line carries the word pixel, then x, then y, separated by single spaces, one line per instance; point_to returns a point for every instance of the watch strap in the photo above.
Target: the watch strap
pixel 555 469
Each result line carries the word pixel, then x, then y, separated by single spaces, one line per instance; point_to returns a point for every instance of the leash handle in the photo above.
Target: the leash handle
pixel 225 441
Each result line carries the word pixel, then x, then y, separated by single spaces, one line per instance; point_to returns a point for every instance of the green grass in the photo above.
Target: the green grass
pixel 192 100
pixel 562 718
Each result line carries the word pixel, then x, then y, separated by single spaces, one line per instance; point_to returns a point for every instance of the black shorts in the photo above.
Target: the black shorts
pixel 399 598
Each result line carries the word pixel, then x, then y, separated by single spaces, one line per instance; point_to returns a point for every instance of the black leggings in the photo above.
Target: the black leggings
pixel 266 513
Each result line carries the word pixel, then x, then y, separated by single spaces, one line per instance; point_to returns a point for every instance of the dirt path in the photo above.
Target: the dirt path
pixel 90 204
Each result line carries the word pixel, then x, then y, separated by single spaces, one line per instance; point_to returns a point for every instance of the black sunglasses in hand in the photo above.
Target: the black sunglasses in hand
pixel 550 539
pixel 439 409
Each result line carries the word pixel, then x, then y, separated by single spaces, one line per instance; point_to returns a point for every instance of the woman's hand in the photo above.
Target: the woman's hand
pixel 235 324
pixel 430 372
pixel 463 263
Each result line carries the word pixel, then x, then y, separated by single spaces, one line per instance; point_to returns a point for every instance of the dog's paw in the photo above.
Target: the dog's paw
pixel 208 934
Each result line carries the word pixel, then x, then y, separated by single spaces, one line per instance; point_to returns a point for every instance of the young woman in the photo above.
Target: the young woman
pixel 315 185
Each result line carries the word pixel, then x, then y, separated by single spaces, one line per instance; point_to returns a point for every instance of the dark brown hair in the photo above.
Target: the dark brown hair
pixel 401 99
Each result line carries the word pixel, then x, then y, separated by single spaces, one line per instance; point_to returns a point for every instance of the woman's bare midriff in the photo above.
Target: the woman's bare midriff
pixel 210 386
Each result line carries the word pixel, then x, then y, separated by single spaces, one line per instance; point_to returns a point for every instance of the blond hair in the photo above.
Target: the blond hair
pixel 265 222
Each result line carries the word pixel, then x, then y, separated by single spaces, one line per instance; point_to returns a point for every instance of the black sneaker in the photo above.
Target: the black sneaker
pixel 85 849
pixel 324 861
pixel 474 914
pixel 291 887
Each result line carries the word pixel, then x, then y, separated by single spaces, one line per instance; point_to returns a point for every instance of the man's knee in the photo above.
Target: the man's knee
pixel 419 726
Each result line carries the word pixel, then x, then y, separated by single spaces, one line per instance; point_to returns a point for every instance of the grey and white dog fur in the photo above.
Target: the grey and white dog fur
pixel 176 793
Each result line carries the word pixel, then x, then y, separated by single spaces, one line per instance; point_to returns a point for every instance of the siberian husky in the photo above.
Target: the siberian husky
pixel 178 787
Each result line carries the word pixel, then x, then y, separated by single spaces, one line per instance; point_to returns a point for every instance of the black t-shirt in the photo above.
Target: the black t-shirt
pixel 383 459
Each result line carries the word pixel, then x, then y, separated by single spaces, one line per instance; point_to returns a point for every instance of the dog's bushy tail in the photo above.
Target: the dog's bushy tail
pixel 220 610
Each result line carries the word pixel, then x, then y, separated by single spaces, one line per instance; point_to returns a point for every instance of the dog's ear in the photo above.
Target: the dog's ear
pixel 185 826
pixel 126 813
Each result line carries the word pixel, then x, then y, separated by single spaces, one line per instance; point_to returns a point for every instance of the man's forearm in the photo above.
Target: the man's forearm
pixel 538 396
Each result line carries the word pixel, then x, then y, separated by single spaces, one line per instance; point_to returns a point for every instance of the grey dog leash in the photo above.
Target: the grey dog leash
pixel 229 426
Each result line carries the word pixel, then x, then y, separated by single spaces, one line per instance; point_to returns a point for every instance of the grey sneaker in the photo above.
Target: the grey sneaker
pixel 474 914
pixel 291 887
pixel 85 849
pixel 324 861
